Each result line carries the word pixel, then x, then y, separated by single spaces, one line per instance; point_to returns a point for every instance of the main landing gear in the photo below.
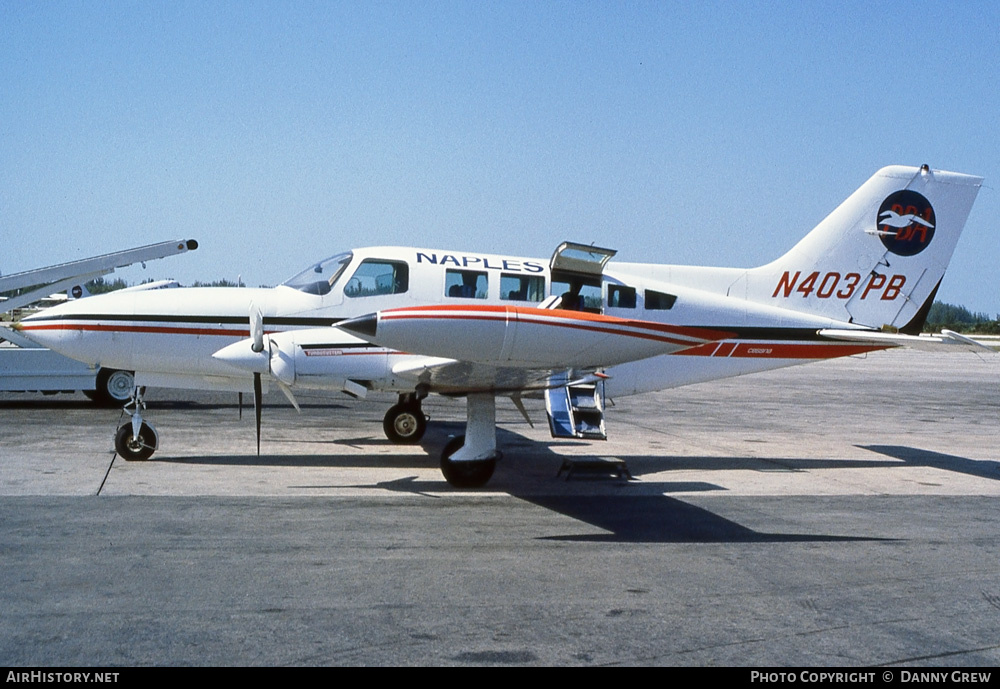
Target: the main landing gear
pixel 136 439
pixel 468 461
pixel 405 422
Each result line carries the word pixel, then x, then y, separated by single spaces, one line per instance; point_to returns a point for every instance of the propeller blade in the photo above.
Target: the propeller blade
pixel 288 393
pixel 258 401
pixel 256 328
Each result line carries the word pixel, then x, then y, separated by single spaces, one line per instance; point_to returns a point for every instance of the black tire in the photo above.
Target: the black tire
pixel 404 424
pixel 114 387
pixel 133 448
pixel 465 474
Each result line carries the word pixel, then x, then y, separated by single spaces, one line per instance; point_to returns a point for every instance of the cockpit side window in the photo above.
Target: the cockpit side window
pixel 466 284
pixel 376 277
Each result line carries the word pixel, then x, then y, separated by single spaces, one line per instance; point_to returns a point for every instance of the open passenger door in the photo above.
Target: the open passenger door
pixel 577 410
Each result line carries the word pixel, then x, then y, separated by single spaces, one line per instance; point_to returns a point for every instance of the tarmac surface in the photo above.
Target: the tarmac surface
pixel 838 514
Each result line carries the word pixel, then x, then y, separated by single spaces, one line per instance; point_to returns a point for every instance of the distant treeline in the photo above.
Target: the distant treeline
pixel 961 320
pixel 102 286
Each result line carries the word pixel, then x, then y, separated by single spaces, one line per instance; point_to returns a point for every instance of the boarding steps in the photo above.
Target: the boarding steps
pixel 577 411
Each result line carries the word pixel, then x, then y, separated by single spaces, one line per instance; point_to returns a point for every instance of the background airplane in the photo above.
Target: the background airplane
pixel 574 328
pixel 26 366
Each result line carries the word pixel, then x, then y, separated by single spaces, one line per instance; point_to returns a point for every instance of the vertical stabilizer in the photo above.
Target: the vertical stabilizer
pixel 878 258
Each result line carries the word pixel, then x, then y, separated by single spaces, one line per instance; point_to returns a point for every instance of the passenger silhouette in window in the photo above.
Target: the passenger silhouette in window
pixel 571 300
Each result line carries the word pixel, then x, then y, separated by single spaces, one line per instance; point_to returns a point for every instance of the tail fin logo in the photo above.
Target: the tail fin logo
pixel 906 223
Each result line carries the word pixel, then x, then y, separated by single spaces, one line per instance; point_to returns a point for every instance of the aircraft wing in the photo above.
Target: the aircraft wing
pixel 510 348
pixel 945 339
pixel 448 376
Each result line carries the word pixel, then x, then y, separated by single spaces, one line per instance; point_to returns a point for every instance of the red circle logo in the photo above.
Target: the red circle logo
pixel 906 223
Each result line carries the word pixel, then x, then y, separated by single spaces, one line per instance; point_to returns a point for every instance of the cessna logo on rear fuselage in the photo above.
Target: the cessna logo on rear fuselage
pixel 905 223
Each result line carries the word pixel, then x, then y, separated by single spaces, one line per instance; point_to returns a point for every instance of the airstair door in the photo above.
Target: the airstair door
pixel 577 271
pixel 581 259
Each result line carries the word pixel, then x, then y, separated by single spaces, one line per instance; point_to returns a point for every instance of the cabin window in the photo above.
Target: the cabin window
pixel 621 297
pixel 466 284
pixel 375 278
pixel 522 287
pixel 659 301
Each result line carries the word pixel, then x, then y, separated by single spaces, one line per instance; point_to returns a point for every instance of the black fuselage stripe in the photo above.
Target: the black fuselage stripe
pixel 748 333
pixel 189 319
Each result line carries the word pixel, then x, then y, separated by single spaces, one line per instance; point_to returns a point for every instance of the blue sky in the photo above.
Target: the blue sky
pixel 276 133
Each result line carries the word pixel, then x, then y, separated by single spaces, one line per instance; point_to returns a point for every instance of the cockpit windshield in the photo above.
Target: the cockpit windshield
pixel 319 278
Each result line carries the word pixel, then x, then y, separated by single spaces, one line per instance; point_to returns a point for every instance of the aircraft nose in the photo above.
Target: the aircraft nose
pixel 364 326
pixel 43 327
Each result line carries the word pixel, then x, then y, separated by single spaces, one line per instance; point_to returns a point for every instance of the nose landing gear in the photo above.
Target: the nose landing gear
pixel 405 422
pixel 136 440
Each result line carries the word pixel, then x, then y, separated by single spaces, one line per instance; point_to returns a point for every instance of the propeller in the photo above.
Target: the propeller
pixel 278 363
pixel 262 354
pixel 257 345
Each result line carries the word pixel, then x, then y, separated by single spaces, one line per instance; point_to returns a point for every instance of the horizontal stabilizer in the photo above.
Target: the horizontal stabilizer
pixel 944 339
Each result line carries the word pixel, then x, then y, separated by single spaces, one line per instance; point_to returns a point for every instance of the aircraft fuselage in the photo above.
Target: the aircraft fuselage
pixel 169 337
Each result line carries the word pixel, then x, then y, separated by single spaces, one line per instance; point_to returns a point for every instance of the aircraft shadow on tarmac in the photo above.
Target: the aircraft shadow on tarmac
pixel 914 456
pixel 644 518
pixel 46 402
pixel 633 512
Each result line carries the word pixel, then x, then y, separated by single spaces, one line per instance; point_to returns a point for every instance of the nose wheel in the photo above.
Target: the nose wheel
pixel 136 440
pixel 405 423
pixel 136 446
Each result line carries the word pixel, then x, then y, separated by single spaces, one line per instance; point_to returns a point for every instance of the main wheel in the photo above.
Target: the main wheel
pixel 112 386
pixel 130 447
pixel 465 474
pixel 404 424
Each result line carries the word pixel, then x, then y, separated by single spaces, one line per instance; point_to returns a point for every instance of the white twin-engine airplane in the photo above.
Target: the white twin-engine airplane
pixel 574 328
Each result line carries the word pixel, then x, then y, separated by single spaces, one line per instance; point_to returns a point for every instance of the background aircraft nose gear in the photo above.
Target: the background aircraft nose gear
pixel 136 439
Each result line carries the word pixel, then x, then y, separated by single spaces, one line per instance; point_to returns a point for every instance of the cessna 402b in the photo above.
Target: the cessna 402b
pixel 574 328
